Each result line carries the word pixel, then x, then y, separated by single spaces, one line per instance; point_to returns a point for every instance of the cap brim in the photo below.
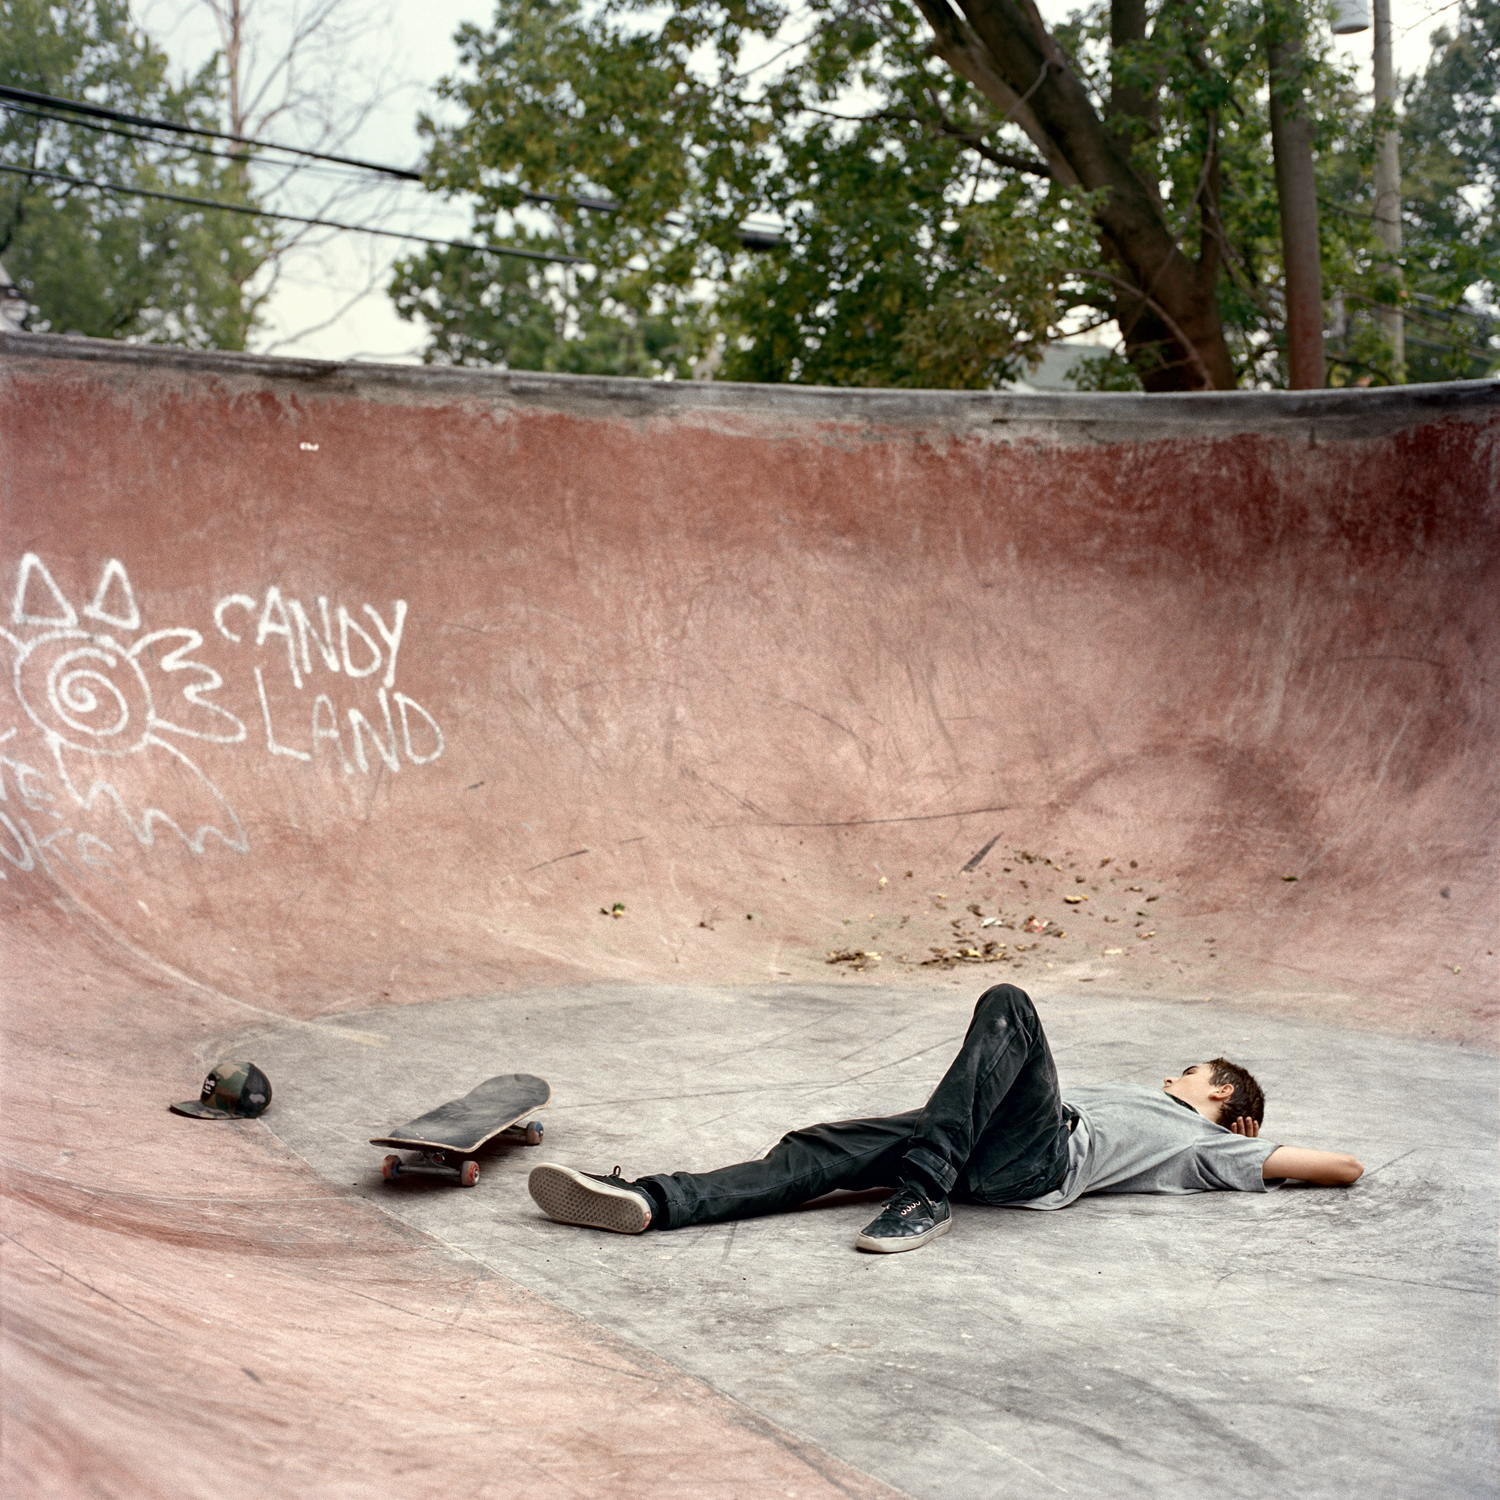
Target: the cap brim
pixel 199 1110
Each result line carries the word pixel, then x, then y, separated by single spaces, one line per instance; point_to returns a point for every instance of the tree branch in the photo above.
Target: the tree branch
pixel 1194 358
pixel 973 139
pixel 955 42
pixel 1003 158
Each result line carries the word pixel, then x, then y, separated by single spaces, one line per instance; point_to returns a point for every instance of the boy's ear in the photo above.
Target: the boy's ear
pixel 1221 1091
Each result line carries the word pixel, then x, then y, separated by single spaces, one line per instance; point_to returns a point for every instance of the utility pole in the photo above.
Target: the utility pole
pixel 1388 183
pixel 1297 198
pixel 1352 16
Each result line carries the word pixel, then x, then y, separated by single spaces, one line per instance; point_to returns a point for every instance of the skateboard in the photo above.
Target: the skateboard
pixel 448 1137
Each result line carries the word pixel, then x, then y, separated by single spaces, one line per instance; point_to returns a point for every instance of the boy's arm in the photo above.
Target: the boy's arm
pixel 1327 1168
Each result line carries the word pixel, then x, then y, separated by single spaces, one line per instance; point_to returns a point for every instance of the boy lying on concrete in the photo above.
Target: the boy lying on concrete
pixel 996 1130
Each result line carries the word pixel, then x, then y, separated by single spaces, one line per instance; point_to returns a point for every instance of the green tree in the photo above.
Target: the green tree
pixel 493 309
pixel 106 264
pixel 874 258
pixel 937 221
pixel 1450 148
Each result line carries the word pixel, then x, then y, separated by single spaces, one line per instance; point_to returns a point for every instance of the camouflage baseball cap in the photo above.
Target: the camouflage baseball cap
pixel 233 1090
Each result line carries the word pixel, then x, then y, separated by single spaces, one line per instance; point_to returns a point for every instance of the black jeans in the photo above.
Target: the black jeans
pixel 994 1131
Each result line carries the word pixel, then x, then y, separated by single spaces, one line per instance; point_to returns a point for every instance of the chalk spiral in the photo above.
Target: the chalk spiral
pixel 86 691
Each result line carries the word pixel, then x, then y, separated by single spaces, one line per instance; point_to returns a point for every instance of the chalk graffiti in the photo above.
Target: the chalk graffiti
pixel 353 652
pixel 105 712
pixel 325 729
pixel 289 619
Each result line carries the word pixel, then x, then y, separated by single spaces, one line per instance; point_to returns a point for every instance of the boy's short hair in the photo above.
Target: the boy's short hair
pixel 1246 1100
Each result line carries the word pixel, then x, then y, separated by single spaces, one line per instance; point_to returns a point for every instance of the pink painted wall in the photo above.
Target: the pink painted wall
pixel 751 649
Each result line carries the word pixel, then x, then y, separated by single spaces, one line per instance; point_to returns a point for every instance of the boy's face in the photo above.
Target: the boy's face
pixel 1195 1086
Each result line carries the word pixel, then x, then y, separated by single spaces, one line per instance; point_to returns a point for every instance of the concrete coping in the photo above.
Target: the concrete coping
pixel 1104 417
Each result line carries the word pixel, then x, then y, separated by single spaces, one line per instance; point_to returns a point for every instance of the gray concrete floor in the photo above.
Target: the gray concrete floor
pixel 1308 1342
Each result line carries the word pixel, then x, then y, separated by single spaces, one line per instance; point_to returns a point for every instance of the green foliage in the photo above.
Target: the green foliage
pixel 916 244
pixel 1008 288
pixel 106 264
pixel 1211 57
pixel 500 310
pixel 1207 154
pixel 1104 372
pixel 904 257
pixel 1450 160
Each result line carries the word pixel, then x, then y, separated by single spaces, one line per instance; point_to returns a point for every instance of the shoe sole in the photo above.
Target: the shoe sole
pixel 572 1198
pixel 906 1242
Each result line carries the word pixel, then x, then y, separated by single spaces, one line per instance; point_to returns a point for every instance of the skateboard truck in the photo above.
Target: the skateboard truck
pixel 426 1162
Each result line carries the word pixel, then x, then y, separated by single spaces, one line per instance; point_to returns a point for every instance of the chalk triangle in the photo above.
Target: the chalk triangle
pixel 32 565
pixel 115 576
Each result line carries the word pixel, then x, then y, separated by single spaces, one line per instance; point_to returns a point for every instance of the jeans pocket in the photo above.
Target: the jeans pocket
pixel 1011 1186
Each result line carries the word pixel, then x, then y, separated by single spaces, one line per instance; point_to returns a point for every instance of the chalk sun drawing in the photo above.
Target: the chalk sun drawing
pixel 102 722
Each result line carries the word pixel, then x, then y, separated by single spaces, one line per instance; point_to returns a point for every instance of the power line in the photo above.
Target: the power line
pixel 750 237
pixel 16 99
pixel 146 140
pixel 103 112
pixel 266 213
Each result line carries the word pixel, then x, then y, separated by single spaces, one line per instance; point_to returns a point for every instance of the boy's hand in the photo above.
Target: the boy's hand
pixel 1246 1126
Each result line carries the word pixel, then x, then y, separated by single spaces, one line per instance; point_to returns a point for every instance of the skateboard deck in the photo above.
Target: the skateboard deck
pixel 450 1135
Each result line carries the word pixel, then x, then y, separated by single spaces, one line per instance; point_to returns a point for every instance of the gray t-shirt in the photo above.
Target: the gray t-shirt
pixel 1133 1139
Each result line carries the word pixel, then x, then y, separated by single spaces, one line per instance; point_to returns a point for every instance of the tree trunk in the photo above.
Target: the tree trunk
pixel 1297 196
pixel 1162 303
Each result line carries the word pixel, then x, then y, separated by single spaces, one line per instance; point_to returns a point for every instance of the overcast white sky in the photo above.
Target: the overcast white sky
pixel 330 302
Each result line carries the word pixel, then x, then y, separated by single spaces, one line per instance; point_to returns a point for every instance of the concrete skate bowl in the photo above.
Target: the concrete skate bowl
pixel 341 690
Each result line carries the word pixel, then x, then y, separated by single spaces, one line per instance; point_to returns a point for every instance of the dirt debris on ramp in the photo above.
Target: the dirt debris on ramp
pixel 338 687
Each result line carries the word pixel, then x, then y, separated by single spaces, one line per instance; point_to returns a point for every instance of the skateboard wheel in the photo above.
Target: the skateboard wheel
pixel 534 1132
pixel 468 1174
pixel 390 1168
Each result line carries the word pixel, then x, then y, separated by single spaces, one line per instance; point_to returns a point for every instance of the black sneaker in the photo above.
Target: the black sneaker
pixel 910 1219
pixel 581 1198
